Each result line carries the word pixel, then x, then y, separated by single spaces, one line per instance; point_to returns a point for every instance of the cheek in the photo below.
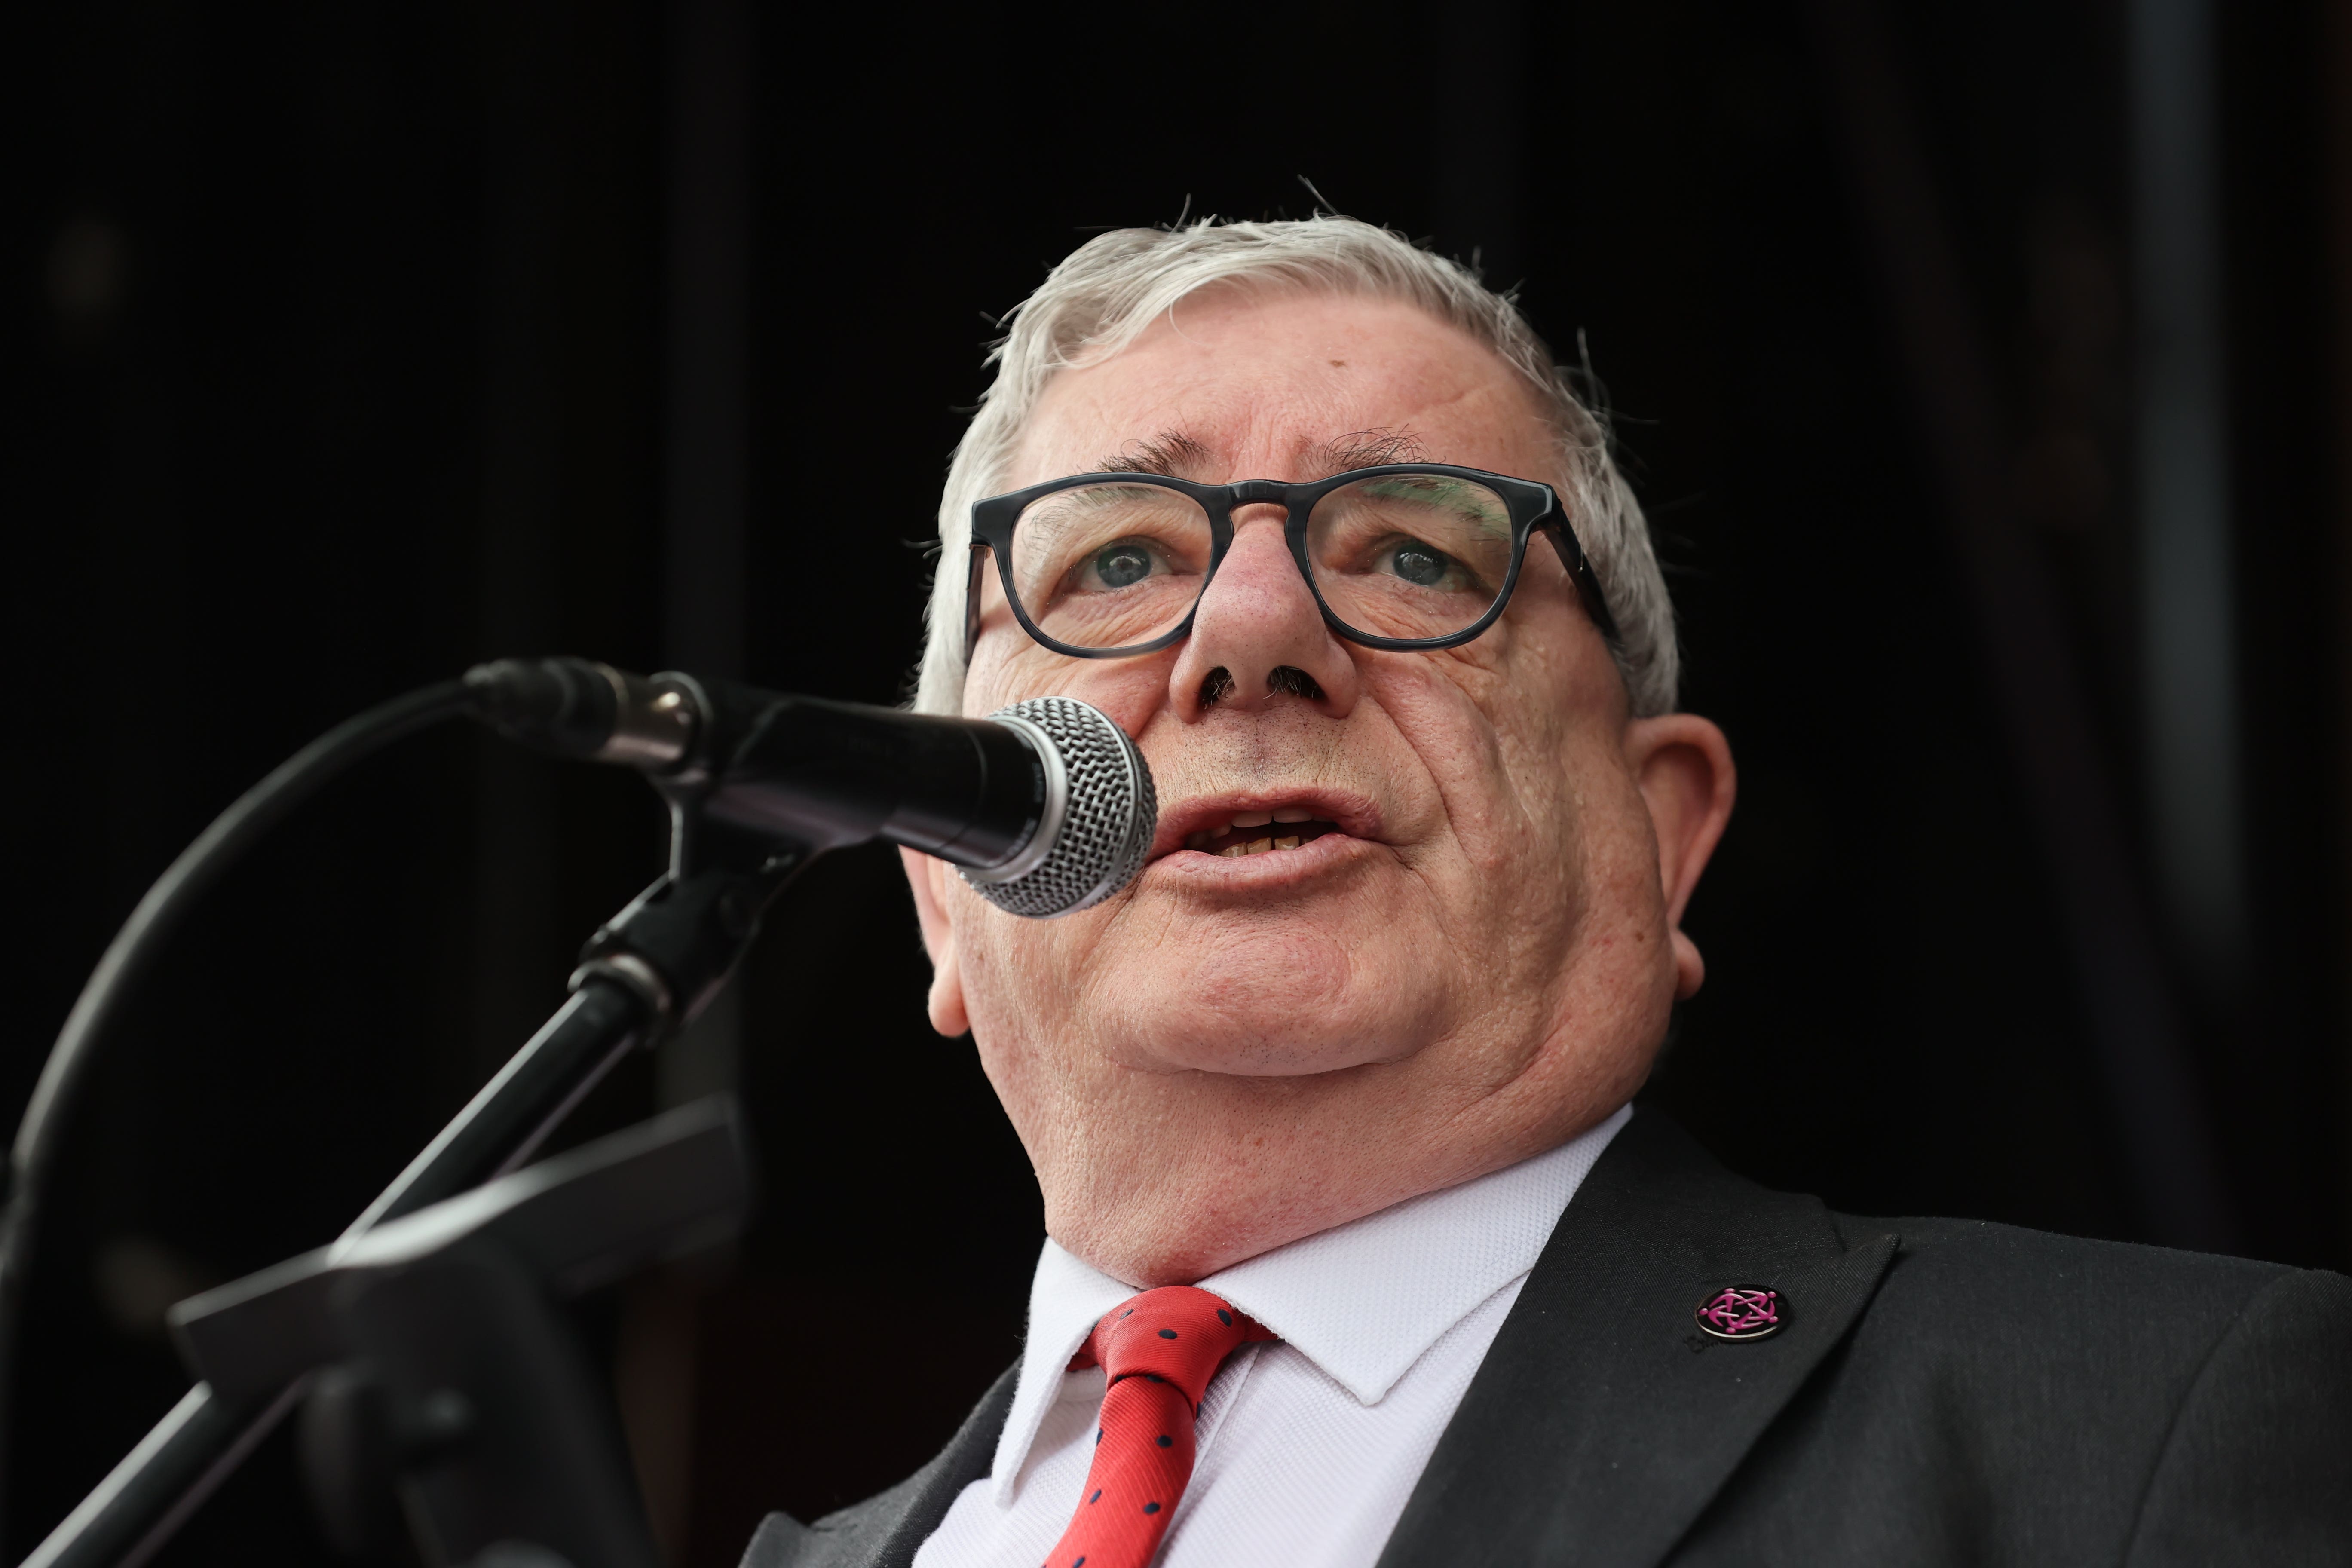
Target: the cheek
pixel 1532 799
pixel 1031 979
pixel 1003 670
pixel 1007 668
pixel 1548 715
pixel 1499 761
pixel 997 952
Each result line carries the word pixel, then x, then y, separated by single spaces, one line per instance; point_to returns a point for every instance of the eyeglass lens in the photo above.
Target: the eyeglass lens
pixel 1398 555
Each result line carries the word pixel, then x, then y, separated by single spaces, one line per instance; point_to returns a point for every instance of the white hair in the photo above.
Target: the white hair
pixel 1109 290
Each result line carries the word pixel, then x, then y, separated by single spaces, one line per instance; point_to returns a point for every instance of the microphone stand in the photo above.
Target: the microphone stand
pixel 651 968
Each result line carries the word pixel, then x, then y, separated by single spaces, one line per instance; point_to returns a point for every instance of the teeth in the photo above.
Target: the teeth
pixel 1241 822
pixel 1257 847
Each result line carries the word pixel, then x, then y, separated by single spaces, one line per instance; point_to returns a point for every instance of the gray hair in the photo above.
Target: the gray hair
pixel 1109 290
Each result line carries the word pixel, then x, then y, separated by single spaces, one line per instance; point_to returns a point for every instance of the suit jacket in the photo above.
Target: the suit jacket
pixel 1943 1392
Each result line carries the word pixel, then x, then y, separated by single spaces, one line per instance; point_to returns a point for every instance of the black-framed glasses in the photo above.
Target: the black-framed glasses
pixel 1403 556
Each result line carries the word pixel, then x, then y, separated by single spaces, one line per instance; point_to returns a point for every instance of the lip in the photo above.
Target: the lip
pixel 1218 876
pixel 1356 817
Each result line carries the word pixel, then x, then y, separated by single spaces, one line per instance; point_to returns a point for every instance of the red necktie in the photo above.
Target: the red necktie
pixel 1157 1353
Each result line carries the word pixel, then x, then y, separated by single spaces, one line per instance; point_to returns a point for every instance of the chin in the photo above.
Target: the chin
pixel 1262 1054
pixel 1272 1009
pixel 1275 997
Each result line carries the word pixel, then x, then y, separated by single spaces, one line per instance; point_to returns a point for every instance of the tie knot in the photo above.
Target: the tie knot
pixel 1176 1334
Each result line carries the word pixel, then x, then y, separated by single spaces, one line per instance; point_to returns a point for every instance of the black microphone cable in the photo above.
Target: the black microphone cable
pixel 132 955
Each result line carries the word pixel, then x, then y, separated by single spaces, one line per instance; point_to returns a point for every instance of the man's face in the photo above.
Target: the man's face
pixel 1470 954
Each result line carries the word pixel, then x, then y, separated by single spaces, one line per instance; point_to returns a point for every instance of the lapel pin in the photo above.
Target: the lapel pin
pixel 1743 1312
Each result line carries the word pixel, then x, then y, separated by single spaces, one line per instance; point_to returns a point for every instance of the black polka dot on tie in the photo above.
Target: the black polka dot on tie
pixel 1098 1496
pixel 1151 1507
pixel 1166 1441
pixel 1081 1563
pixel 1128 1314
pixel 1225 1317
pixel 1167 1334
pixel 1097 1433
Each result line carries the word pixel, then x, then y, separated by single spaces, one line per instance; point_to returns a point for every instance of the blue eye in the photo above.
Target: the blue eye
pixel 1419 564
pixel 1122 565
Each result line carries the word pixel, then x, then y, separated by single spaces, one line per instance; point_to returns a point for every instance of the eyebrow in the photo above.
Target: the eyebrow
pixel 1174 455
pixel 1364 450
pixel 1171 454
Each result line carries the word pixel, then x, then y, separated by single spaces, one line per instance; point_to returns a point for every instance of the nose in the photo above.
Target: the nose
pixel 1257 635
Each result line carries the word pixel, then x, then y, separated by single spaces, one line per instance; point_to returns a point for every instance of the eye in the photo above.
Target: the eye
pixel 1419 564
pixel 1120 564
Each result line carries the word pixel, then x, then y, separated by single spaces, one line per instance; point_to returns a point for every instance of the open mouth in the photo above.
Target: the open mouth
pixel 1259 833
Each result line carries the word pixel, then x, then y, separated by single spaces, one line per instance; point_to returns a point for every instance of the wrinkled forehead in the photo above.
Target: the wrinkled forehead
pixel 1236 385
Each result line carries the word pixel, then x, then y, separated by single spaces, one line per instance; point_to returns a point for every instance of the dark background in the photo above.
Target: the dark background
pixel 345 346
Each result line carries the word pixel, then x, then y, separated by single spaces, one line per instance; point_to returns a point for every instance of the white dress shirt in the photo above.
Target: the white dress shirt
pixel 1309 1447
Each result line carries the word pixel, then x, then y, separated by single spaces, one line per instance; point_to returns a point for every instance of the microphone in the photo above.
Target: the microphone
pixel 1046 807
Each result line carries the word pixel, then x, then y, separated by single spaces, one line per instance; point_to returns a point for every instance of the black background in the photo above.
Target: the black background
pixel 333 359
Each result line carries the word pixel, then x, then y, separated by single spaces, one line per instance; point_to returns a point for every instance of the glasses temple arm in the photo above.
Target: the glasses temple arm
pixel 978 556
pixel 1581 573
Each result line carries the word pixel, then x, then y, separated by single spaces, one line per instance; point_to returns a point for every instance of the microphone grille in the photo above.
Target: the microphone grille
pixel 1107 826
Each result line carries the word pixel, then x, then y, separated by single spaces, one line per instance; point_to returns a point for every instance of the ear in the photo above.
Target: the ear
pixel 927 877
pixel 1682 764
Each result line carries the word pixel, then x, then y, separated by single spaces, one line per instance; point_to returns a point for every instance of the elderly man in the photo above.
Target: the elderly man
pixel 1356 1251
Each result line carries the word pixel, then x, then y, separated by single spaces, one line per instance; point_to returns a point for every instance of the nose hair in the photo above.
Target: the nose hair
pixel 1258 637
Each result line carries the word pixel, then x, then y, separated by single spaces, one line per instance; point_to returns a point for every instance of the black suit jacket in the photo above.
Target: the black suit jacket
pixel 1945 1392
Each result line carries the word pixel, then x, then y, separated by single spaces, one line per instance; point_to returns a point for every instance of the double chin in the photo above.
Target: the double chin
pixel 1165 1152
pixel 1162 1179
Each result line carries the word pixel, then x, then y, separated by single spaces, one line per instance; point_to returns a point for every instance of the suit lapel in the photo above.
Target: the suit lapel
pixel 884 1531
pixel 1603 1420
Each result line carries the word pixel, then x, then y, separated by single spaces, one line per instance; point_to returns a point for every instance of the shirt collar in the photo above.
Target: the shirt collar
pixel 1363 1300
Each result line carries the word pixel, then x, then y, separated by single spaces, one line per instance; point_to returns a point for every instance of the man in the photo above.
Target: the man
pixel 1357 1252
